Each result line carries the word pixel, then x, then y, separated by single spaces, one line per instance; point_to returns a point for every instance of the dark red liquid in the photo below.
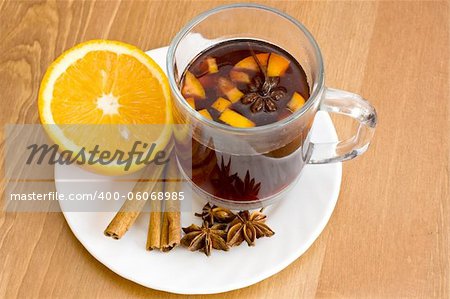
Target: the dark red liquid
pixel 245 177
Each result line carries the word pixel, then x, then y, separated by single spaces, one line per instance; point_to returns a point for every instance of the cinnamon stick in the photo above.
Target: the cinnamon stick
pixel 171 226
pixel 154 226
pixel 131 209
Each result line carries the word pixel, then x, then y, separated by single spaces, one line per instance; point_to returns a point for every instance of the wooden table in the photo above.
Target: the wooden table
pixel 389 234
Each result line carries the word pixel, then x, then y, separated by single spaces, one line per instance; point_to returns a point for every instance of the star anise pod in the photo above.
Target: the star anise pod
pixel 263 94
pixel 223 180
pixel 247 188
pixel 213 214
pixel 205 238
pixel 248 227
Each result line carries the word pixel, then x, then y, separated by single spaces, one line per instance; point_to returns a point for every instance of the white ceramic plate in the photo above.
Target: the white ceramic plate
pixel 297 220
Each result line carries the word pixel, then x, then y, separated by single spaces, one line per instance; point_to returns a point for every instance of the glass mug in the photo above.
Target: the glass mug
pixel 248 168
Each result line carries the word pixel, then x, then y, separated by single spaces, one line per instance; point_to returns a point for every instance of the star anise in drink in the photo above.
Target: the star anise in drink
pixel 248 227
pixel 223 180
pixel 205 238
pixel 213 214
pixel 263 95
pixel 248 188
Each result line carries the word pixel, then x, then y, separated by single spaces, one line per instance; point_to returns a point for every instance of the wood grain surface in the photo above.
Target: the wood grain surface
pixel 389 235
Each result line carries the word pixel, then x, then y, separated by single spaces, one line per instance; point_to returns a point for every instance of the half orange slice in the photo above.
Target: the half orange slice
pixel 106 93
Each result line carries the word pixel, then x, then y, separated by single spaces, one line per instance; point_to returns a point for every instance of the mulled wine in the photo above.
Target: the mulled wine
pixel 245 83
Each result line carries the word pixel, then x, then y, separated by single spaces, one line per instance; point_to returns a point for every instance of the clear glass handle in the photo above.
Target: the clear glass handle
pixel 354 106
